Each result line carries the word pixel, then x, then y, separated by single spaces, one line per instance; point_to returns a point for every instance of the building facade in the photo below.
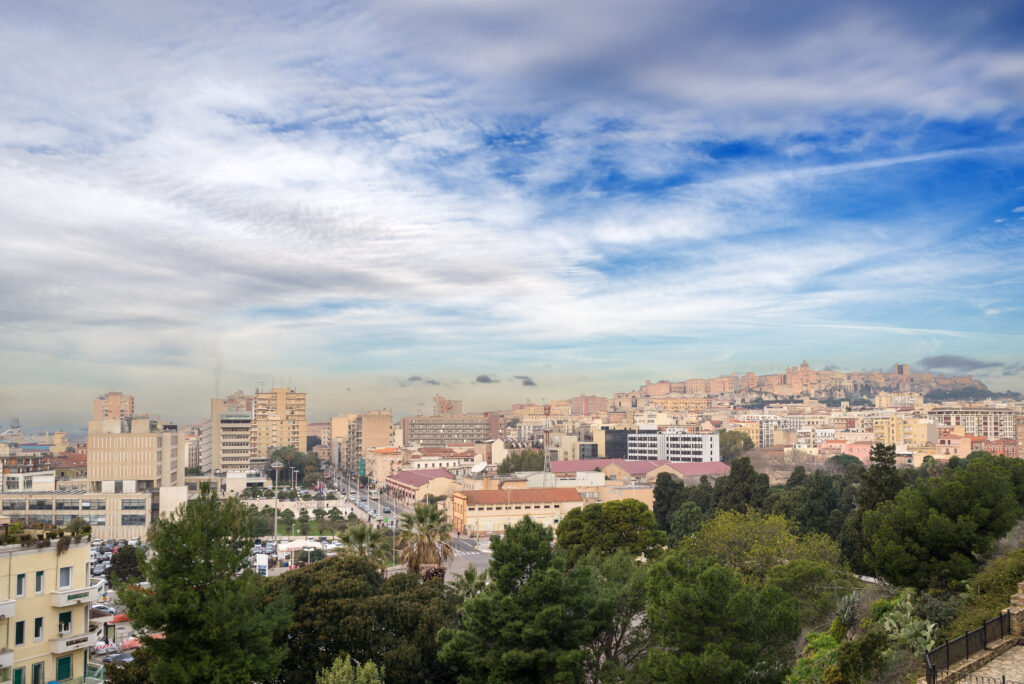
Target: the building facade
pixel 279 420
pixel 674 444
pixel 437 431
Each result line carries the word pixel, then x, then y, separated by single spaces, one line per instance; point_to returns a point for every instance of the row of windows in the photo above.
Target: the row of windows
pixel 69 504
pixel 64 580
pixel 38 670
pixel 511 508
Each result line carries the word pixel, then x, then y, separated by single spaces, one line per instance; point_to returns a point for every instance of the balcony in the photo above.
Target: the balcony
pixel 73 597
pixel 6 611
pixel 74 642
pixel 6 658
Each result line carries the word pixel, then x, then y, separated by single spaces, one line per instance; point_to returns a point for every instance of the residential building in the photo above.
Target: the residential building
pixel 383 462
pixel 320 431
pixel 366 431
pixel 279 420
pixel 984 421
pixel 909 400
pixel 113 406
pixel 45 595
pixel 447 407
pixel 483 511
pixel 226 439
pixel 584 405
pixel 437 431
pixel 902 428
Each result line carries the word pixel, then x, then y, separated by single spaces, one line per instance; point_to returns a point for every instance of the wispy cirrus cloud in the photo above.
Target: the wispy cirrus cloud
pixel 595 182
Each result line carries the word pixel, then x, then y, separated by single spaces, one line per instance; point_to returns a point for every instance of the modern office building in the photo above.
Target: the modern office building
pixel 226 438
pixel 674 444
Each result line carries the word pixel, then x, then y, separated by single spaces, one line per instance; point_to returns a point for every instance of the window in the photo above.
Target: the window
pixel 133 504
pixel 40 504
pixel 14 504
pixel 63 668
pixel 129 519
pixel 64 622
pixel 19 632
pixel 20 585
pixel 37 673
pixel 38 634
pixel 39 581
pixel 19 676
pixel 65 577
pixel 94 504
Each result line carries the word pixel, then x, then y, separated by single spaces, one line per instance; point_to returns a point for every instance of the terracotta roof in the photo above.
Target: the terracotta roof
pixel 715 468
pixel 418 478
pixel 477 497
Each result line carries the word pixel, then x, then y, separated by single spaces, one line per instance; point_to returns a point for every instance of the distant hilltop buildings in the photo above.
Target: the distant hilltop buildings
pixel 800 381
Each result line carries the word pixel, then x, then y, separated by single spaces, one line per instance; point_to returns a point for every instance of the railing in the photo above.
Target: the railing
pixel 963 647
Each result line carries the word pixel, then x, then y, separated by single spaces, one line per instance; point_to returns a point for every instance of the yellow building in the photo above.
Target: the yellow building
pixel 486 511
pixel 45 594
pixel 279 420
pixel 905 429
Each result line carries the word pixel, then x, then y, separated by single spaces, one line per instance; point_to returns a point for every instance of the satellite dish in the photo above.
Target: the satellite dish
pixel 478 468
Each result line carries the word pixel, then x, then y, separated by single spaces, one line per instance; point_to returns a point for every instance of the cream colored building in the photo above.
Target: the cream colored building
pixel 487 511
pixel 905 429
pixel 226 438
pixel 113 406
pixel 45 594
pixel 279 420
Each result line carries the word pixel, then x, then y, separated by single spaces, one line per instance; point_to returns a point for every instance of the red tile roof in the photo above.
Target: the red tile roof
pixel 418 478
pixel 477 497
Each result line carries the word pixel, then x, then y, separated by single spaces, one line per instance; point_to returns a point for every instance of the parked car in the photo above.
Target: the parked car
pixel 118 659
pixel 102 608
pixel 387 509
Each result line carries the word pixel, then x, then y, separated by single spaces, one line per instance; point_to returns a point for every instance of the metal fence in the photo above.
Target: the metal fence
pixel 986 679
pixel 942 657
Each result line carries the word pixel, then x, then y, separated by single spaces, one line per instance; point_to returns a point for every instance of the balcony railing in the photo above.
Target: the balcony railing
pixel 74 642
pixel 6 658
pixel 72 597
pixel 7 609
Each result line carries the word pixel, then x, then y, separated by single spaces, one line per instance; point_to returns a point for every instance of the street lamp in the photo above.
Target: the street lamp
pixel 276 465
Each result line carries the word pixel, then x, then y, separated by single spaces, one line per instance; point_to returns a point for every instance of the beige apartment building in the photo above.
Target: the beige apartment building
pixel 279 420
pixel 438 431
pixel 905 429
pixel 113 406
pixel 45 594
pixel 366 431
pixel 226 438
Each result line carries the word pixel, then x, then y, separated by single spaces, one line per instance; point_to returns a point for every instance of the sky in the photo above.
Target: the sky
pixel 502 201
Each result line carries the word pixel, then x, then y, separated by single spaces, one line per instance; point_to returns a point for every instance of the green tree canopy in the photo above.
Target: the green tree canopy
pixel 125 564
pixel 344 671
pixel 733 444
pixel 881 482
pixel 605 528
pixel 742 489
pixel 519 461
pixel 709 625
pixel 425 537
pixel 532 623
pixel 367 542
pixel 204 599
pixel 344 605
pixel 938 530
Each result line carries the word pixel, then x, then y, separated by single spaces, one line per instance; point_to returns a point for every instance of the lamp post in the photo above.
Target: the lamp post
pixel 276 465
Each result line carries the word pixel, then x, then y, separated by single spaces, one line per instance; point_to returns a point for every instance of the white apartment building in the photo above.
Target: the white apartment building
pixel 673 444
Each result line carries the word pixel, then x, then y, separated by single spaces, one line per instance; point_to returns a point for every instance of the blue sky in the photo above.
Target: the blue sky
pixel 196 197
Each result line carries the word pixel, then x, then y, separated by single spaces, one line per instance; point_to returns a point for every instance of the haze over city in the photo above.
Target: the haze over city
pixel 503 201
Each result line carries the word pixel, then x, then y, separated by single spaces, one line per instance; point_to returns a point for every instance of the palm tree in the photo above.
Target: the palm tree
pixel 366 541
pixel 425 538
pixel 470 583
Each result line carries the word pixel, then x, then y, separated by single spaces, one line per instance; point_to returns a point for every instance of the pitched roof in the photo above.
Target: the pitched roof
pixel 477 497
pixel 715 468
pixel 418 478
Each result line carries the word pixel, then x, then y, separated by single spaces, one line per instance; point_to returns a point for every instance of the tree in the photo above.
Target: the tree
pixel 425 538
pixel 367 542
pixel 319 514
pixel 937 531
pixel 668 495
pixel 531 623
pixel 344 605
pixel 752 544
pixel 881 482
pixel 518 461
pixel 742 489
pixel 344 671
pixel 204 598
pixel 708 625
pixel 604 528
pixel 304 523
pixel 124 565
pixel 733 444
pixel 470 583
pixel 685 521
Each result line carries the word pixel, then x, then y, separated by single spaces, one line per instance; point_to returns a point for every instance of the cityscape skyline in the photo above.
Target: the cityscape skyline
pixel 583 196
